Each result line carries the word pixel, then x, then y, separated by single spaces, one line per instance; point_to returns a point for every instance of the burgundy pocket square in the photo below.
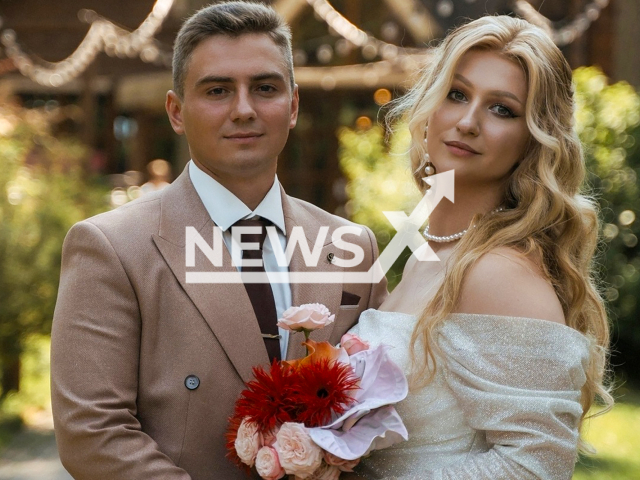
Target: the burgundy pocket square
pixel 349 299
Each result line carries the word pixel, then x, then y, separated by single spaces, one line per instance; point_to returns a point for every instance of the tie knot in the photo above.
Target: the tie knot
pixel 254 237
pixel 253 222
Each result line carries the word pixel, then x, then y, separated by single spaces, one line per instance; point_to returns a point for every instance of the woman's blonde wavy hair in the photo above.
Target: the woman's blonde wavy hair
pixel 546 215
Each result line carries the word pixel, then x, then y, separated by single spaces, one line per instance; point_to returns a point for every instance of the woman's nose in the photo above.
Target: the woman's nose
pixel 469 123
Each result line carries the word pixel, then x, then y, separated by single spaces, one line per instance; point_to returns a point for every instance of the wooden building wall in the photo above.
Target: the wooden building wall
pixel 129 88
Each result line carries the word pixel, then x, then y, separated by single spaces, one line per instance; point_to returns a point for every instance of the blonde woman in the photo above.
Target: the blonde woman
pixel 505 339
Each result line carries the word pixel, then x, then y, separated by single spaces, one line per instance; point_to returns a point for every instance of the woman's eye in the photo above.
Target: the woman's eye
pixel 503 111
pixel 457 95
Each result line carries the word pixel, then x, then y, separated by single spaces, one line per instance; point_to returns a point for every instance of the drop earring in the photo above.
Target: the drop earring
pixel 429 168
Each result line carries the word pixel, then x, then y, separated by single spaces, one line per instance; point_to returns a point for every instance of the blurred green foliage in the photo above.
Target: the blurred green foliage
pixel 34 396
pixel 44 189
pixel 608 122
pixel 380 180
pixel 32 403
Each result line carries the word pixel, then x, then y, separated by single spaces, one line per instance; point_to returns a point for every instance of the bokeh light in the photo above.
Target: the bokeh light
pixel 363 122
pixel 626 217
pixel 382 96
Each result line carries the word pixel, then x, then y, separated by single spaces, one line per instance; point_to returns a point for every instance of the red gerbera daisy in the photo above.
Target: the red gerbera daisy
pixel 267 400
pixel 323 389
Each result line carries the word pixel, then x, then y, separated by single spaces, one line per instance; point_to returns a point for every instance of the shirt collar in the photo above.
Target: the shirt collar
pixel 225 208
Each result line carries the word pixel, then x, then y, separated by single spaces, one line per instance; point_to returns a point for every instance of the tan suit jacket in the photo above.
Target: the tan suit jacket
pixel 128 331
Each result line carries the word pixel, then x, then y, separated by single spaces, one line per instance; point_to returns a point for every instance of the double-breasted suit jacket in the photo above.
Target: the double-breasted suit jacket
pixel 146 367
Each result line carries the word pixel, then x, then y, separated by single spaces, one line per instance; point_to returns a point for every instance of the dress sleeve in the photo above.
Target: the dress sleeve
pixel 518 384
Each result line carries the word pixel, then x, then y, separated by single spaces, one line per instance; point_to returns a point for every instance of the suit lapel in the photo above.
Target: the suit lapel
pixel 225 307
pixel 301 293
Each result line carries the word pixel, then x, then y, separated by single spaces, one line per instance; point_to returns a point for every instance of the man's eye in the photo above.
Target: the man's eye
pixel 266 88
pixel 216 91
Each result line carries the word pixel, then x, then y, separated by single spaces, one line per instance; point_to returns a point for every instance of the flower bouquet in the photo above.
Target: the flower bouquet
pixel 316 417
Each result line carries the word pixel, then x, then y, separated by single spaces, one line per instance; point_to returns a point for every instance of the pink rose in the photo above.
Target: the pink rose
pixel 268 464
pixel 298 454
pixel 340 463
pixel 353 343
pixel 310 316
pixel 247 442
pixel 325 472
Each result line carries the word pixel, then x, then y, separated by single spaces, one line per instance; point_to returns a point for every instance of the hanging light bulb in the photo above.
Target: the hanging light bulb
pixel 444 8
pixel 102 35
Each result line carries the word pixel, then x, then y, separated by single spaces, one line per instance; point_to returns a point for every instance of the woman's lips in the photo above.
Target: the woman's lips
pixel 461 149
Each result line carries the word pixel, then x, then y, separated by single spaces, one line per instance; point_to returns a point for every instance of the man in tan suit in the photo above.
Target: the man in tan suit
pixel 146 366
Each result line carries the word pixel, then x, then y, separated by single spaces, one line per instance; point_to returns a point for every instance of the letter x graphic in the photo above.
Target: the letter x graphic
pixel 408 227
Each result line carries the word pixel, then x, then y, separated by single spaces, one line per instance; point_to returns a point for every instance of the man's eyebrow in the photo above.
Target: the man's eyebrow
pixel 268 76
pixel 500 93
pixel 255 78
pixel 213 79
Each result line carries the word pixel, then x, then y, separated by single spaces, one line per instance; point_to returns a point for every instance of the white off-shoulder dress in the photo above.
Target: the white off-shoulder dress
pixel 504 403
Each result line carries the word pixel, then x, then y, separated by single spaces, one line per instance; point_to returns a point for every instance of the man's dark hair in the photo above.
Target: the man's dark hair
pixel 232 19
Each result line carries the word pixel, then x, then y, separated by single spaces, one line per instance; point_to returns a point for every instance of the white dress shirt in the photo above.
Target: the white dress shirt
pixel 226 209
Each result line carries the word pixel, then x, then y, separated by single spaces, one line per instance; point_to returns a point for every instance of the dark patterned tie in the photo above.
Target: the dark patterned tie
pixel 260 294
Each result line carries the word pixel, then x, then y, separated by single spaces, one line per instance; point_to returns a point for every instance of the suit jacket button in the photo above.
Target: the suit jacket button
pixel 192 382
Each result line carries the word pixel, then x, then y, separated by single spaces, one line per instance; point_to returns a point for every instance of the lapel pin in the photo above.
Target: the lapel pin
pixel 330 257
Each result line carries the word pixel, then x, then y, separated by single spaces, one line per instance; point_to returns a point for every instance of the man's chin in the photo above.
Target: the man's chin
pixel 249 168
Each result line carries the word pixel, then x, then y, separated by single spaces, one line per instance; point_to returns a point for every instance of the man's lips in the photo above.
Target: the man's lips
pixel 244 137
pixel 461 148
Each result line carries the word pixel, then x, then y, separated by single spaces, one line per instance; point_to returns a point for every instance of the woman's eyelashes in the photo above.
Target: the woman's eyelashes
pixel 497 108
pixel 456 95
pixel 503 111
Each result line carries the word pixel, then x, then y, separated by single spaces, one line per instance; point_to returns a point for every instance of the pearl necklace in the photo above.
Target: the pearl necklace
pixel 455 236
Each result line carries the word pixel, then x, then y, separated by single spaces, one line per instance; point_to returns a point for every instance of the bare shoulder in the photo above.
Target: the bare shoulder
pixel 506 282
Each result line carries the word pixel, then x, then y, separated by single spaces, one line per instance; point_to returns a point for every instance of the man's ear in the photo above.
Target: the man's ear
pixel 295 102
pixel 173 105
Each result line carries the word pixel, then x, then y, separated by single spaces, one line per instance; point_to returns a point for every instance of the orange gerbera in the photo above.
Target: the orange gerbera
pixel 319 351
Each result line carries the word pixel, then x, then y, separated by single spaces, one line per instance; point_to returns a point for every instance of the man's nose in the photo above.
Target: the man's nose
pixel 469 122
pixel 243 108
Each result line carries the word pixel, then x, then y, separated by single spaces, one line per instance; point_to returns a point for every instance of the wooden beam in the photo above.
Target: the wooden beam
pixel 148 91
pixel 358 77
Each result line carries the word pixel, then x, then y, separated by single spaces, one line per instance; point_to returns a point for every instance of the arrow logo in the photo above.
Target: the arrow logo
pixel 408 227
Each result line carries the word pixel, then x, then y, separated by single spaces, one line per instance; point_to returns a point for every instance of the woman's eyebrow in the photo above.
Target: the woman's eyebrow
pixel 499 93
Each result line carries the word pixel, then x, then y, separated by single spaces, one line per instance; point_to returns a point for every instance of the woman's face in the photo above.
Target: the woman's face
pixel 480 129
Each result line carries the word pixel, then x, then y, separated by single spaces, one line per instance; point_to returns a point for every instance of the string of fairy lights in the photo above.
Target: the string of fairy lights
pixel 371 46
pixel 568 33
pixel 105 36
